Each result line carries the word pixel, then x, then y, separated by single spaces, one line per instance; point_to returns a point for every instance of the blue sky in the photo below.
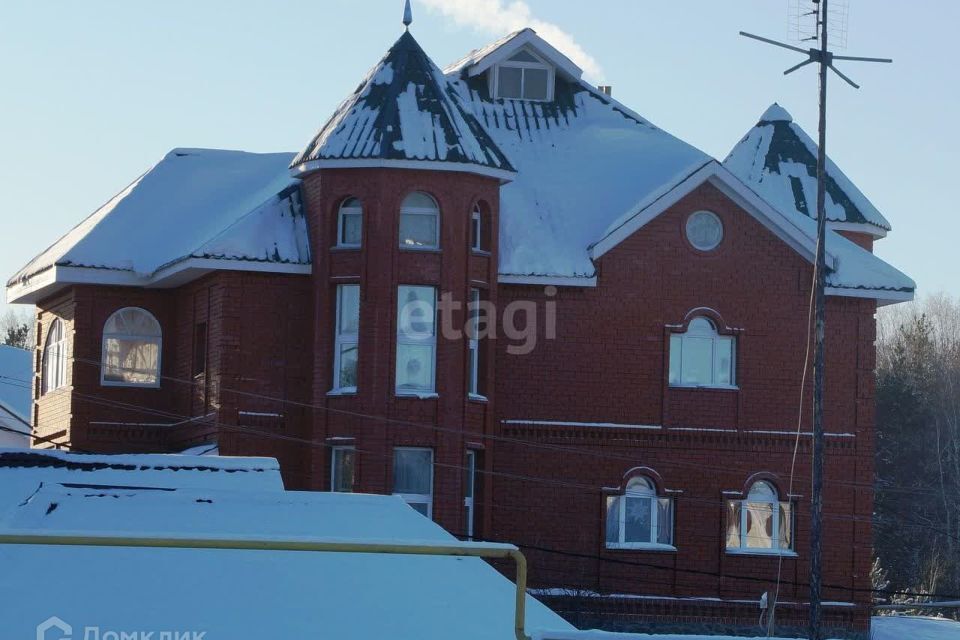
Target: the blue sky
pixel 95 92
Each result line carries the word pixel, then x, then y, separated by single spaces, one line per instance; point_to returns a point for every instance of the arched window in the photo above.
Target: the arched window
pixel 350 223
pixel 54 358
pixel 761 523
pixel 419 222
pixel 702 357
pixel 638 518
pixel 131 349
pixel 524 76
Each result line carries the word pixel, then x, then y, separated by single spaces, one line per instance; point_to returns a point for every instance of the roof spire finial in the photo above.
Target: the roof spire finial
pixel 407 15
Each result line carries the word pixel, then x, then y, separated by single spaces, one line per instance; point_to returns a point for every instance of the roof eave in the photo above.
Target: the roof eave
pixel 309 166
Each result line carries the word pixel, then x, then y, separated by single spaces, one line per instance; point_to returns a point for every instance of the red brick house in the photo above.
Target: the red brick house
pixel 496 291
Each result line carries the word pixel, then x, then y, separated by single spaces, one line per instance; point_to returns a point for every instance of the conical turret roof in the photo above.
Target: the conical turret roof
pixel 404 114
pixel 778 160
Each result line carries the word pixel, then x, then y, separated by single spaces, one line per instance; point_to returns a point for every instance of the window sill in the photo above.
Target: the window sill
pixel 346 391
pixel 421 249
pixel 483 253
pixel 415 395
pixel 641 546
pixel 476 397
pixel 129 385
pixel 705 387
pixel 773 553
pixel 346 247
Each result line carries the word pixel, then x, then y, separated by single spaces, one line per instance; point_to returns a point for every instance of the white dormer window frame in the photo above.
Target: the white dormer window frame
pixel 509 63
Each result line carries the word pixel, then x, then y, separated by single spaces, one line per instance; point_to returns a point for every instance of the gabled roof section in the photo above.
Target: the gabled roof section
pixel 404 114
pixel 852 270
pixel 582 160
pixel 778 160
pixel 479 60
pixel 236 209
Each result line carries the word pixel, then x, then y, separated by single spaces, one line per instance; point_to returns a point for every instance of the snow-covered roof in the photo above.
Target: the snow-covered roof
pixel 250 594
pixel 22 472
pixel 201 204
pixel 779 161
pixel 404 114
pixel 16 373
pixel 582 161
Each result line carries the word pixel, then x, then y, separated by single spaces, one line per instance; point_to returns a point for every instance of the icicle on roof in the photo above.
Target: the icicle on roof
pixel 778 160
pixel 405 113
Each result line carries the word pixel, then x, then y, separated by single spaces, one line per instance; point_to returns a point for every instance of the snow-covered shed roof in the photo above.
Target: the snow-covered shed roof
pixel 404 114
pixel 195 209
pixel 16 372
pixel 779 161
pixel 582 161
pixel 245 595
pixel 23 472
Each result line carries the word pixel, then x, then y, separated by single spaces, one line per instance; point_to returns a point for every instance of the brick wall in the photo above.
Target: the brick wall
pixel 618 335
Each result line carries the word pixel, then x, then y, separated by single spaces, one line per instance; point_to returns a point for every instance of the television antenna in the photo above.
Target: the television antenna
pixel 820 14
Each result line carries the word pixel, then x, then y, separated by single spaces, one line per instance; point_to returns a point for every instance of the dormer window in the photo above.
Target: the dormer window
pixel 523 76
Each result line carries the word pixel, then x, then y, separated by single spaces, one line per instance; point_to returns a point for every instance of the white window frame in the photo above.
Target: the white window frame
pixel 334 453
pixel 473 346
pixel 470 491
pixel 341 340
pixel 344 211
pixel 651 494
pixel 406 210
pixel 404 339
pixel 54 358
pixel 418 498
pixel 158 340
pixel 542 64
pixel 717 339
pixel 775 505
pixel 476 229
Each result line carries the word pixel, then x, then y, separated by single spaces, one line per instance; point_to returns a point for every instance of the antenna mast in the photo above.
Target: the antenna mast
pixel 825 59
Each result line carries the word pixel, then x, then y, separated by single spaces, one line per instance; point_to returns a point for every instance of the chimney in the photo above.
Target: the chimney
pixel 606 90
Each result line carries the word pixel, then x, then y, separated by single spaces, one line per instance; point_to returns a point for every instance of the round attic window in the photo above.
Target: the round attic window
pixel 704 230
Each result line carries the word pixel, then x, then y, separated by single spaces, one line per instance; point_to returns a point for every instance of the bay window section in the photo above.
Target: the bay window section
pixel 346 339
pixel 419 222
pixel 413 477
pixel 416 340
pixel 761 523
pixel 702 357
pixel 639 519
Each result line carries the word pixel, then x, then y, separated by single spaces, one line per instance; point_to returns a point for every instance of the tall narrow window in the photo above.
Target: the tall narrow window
pixel 469 491
pixel 342 467
pixel 638 518
pixel 413 477
pixel 419 222
pixel 131 349
pixel 476 229
pixel 54 358
pixel 524 76
pixel 199 349
pixel 761 523
pixel 346 340
pixel 416 339
pixel 350 223
pixel 702 357
pixel 473 344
